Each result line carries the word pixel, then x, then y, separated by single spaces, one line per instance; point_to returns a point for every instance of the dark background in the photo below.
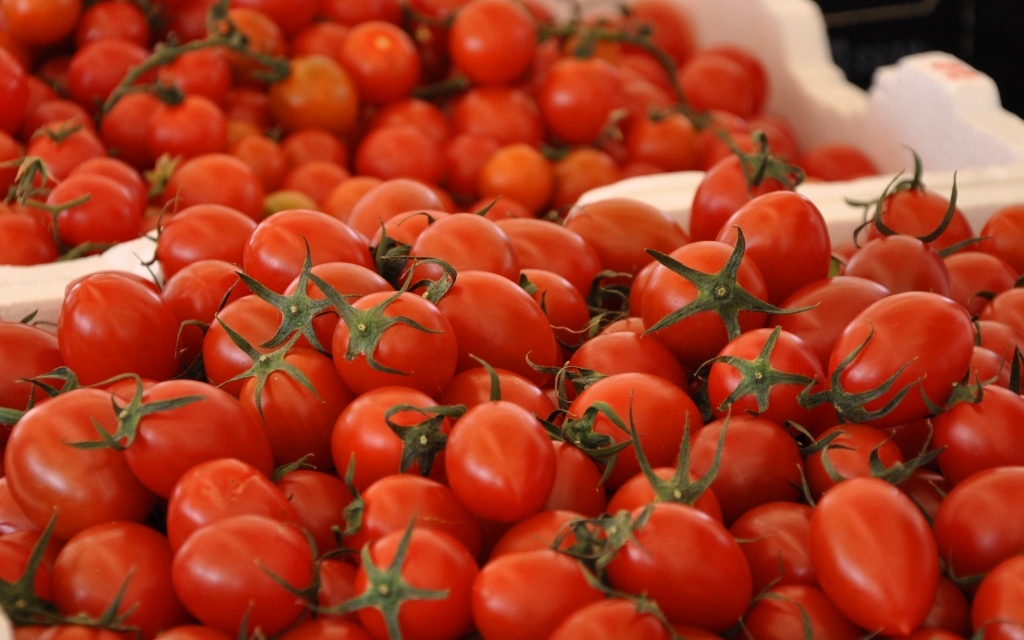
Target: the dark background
pixel 987 34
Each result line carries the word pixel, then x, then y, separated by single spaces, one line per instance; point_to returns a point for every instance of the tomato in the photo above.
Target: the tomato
pixel 710 590
pixel 492 41
pixel 41 22
pixel 521 172
pixel 664 484
pixel 793 610
pixel 291 17
pixel 353 13
pixel 203 231
pixel 222 488
pixel 227 574
pixel 500 461
pixel 33 241
pixel 625 351
pixel 977 436
pixel 194 127
pixel 671 26
pixel 836 161
pixel 112 19
pixel 119 171
pixel 421 559
pixel 363 439
pixel 901 263
pixel 14 561
pixel 387 199
pixel 105 320
pixel 14 83
pixel 621 230
pixel 275 251
pixel 529 594
pixel 725 188
pixel 396 501
pixel 98 562
pixel 996 610
pixel 831 304
pixel 318 92
pixel 326 627
pixel 849 455
pixel 86 486
pixel 670 143
pixel 562 303
pixel 109 214
pixel 381 60
pixel 407 340
pixel 124 128
pixel 916 211
pixel 465 241
pixel 506 114
pixel 776 539
pixel 576 260
pixel 700 336
pixel 972 273
pixel 578 96
pixel 495 320
pixel 659 411
pixel 215 425
pixel 1007 307
pixel 579 171
pixel 216 178
pixel 711 80
pixel 975 526
pixel 771 224
pixel 1002 235
pixel 313 143
pixel 760 463
pixel 63 145
pixel 874 555
pixel 319 499
pixel 893 339
pixel 474 386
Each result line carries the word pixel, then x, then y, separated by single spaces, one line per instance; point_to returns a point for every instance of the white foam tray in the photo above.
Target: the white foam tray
pixel 932 102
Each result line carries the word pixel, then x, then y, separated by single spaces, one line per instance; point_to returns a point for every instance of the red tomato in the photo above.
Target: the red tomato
pixel 610 619
pixel 497 321
pixel 621 230
pixel 836 161
pixel 492 41
pixel 31 240
pixel 381 59
pixel 1002 236
pixel 194 127
pixel 710 590
pixel 110 213
pixel 711 80
pixel 505 114
pixel 1007 307
pixel 112 323
pixel 974 275
pixel 227 574
pixel 625 351
pixel 893 339
pixel 997 611
pixel 86 486
pixel 112 19
pixel 98 562
pixel 916 211
pixel 577 97
pixel 318 92
pixel 776 540
pixel 388 199
pixel 975 436
pixel 395 502
pixel 874 555
pixel 975 527
pixel 849 456
pixel 528 594
pixel 901 263
pixel 428 560
pixel 465 241
pixel 725 188
pixel 216 178
pixel 203 231
pixel 474 386
pixel 63 145
pixel 500 462
pixel 14 84
pixel 319 499
pixel 792 610
pixel 40 23
pixel 96 69
pixel 221 488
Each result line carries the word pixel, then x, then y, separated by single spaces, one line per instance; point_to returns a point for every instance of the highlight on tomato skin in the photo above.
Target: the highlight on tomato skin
pixel 387 376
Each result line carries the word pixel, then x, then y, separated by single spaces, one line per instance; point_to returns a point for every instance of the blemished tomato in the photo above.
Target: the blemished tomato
pixel 218 489
pixel 500 461
pixel 874 555
pixel 226 574
pixel 95 564
pixel 105 320
pixel 86 486
pixel 891 340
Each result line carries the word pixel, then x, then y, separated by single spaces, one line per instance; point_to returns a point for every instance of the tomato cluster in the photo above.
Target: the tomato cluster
pixel 393 381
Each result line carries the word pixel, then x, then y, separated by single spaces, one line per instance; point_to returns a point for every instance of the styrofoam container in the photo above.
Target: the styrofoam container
pixel 934 103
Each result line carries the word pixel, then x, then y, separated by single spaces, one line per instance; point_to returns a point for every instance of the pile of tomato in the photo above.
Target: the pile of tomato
pixel 389 380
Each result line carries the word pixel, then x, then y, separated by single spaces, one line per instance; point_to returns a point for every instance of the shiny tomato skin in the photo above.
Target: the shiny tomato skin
pixel 874 555
pixel 528 594
pixel 776 539
pixel 901 263
pixel 790 610
pixel 223 573
pixel 87 486
pixel 976 525
pixel 979 436
pixel 710 591
pixel 722 191
pixel 577 96
pixel 171 442
pixel 97 562
pixel 434 561
pixel 997 610
pixel 204 231
pixel 903 329
pixel 493 41
pixel 105 320
pixel 918 212
pixel 610 619
pixel 500 461
pixel 26 351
